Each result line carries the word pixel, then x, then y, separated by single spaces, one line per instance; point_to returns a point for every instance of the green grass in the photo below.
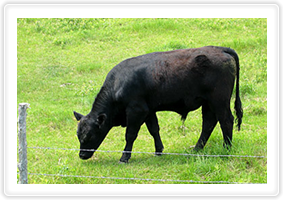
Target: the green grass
pixel 62 64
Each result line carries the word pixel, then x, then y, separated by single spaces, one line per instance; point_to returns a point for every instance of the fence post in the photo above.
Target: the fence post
pixel 22 165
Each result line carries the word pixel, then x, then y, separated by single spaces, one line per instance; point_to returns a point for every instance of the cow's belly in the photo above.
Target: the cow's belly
pixel 181 106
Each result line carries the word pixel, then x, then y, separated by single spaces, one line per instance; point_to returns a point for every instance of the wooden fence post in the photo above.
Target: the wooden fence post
pixel 22 165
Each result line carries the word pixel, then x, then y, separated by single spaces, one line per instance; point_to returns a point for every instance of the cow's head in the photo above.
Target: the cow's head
pixel 91 132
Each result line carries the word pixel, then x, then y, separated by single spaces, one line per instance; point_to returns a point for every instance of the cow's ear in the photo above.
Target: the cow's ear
pixel 101 119
pixel 78 116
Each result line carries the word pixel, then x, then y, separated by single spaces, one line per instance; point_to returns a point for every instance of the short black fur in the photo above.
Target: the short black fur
pixel 179 81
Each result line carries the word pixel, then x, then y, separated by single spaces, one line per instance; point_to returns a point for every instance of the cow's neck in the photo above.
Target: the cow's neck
pixel 102 103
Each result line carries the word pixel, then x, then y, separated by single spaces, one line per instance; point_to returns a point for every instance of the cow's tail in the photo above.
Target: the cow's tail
pixel 238 103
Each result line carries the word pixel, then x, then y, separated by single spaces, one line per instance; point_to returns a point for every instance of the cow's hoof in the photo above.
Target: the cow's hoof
pixel 125 158
pixel 123 162
pixel 197 148
pixel 158 151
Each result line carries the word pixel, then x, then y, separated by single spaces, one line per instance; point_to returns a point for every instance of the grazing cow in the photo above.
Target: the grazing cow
pixel 179 81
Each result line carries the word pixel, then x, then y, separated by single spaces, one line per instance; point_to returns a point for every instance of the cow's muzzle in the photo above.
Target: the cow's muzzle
pixel 85 154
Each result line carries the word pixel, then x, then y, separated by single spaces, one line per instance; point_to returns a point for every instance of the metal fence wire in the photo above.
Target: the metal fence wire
pixel 138 152
pixel 143 179
pixel 22 165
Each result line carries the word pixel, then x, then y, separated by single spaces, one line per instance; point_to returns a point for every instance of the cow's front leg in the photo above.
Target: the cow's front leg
pixel 131 135
pixel 136 114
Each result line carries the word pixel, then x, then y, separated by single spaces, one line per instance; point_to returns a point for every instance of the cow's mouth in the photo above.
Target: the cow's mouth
pixel 84 155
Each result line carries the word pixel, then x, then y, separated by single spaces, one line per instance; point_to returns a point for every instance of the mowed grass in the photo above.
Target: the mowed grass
pixel 62 63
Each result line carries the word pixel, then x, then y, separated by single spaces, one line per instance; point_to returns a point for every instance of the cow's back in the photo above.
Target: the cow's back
pixel 173 76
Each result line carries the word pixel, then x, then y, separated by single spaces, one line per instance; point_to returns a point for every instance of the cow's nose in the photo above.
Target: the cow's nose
pixel 85 155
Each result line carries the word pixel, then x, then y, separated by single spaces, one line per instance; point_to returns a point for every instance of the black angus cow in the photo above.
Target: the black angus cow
pixel 179 81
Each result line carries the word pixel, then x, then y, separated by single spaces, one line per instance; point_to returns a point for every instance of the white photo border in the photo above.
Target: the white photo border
pixel 13 11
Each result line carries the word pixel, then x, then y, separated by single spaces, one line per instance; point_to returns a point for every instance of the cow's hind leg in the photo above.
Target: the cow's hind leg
pixel 226 120
pixel 153 128
pixel 208 123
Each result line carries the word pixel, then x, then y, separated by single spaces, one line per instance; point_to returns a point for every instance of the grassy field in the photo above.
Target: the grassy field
pixel 62 64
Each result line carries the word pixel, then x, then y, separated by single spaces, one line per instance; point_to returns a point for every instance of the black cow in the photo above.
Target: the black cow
pixel 179 81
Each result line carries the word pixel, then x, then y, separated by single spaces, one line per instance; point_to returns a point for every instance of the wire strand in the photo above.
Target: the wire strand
pixel 141 179
pixel 177 154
